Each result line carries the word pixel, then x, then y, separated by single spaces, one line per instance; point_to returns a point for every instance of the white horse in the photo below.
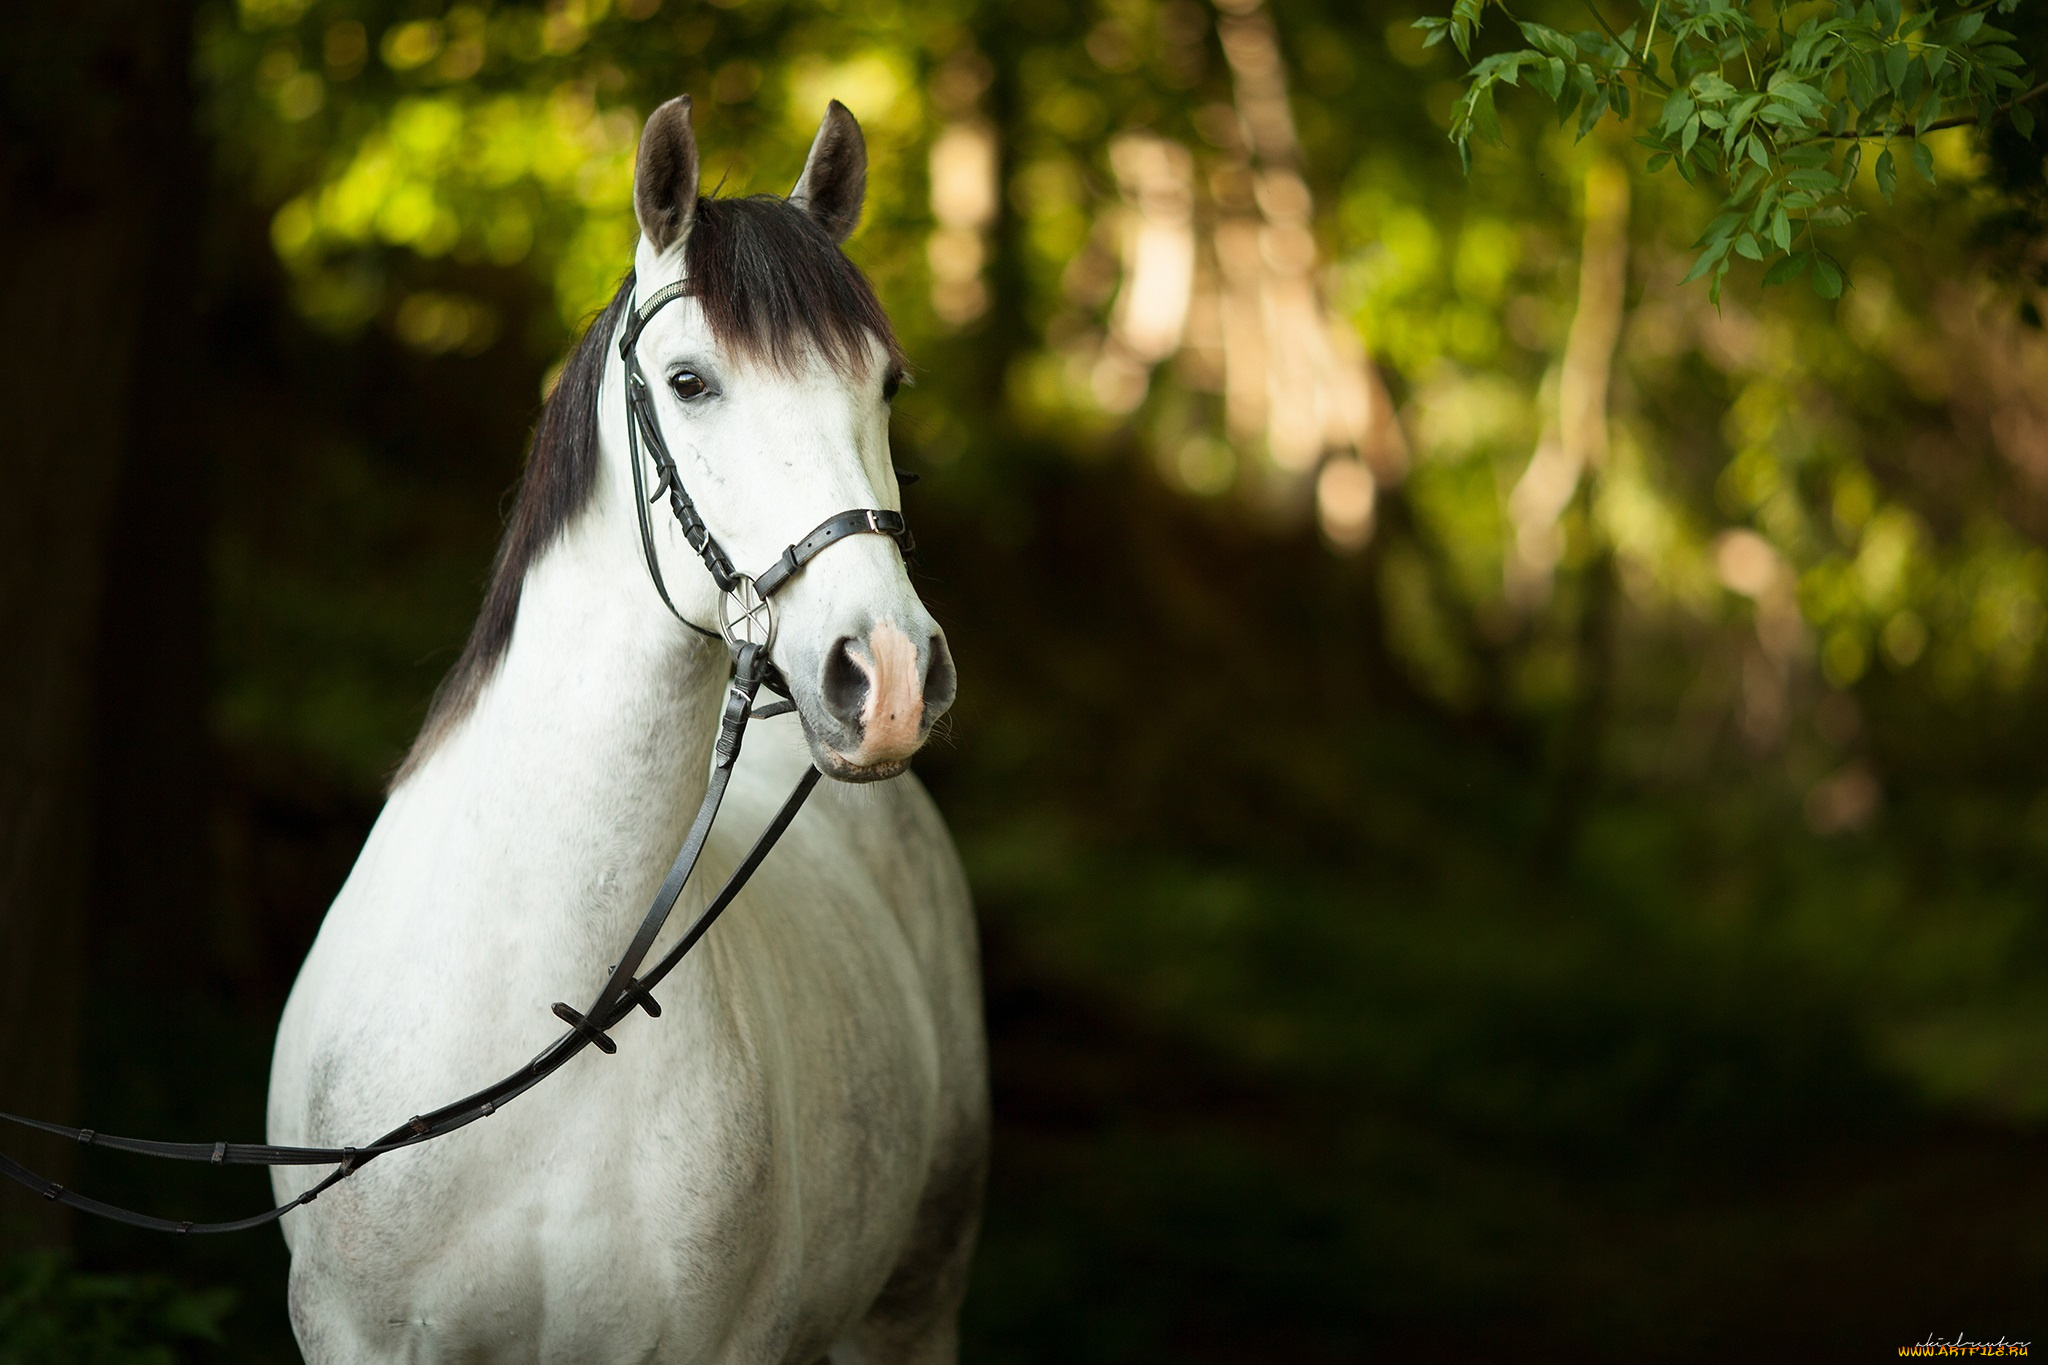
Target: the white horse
pixel 787 1165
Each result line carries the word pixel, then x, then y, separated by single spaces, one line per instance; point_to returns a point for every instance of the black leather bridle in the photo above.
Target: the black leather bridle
pixel 745 595
pixel 747 625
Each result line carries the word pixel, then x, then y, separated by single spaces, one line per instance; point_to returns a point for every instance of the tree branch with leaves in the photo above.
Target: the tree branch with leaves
pixel 1772 103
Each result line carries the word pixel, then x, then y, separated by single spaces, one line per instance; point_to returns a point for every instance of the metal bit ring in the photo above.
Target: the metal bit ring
pixel 745 617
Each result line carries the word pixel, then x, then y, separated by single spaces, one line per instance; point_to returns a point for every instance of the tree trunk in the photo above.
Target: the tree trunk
pixel 84 91
pixel 1576 441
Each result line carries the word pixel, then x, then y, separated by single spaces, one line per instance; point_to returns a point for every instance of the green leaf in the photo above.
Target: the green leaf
pixel 1923 161
pixel 1781 229
pixel 1827 278
pixel 1485 121
pixel 1965 28
pixel 1887 175
pixel 1820 182
pixel 1720 229
pixel 1798 93
pixel 1916 81
pixel 1567 101
pixel 2023 121
pixel 1790 268
pixel 1709 88
pixel 1692 133
pixel 1761 214
pixel 1502 66
pixel 1549 41
pixel 1930 109
pixel 1707 261
pixel 1896 59
pixel 1658 162
pixel 1594 109
pixel 1748 245
pixel 1757 152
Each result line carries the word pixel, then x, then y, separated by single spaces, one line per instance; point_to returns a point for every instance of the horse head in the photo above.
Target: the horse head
pixel 771 378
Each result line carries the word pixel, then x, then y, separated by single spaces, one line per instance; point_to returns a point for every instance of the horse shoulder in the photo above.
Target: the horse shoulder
pixel 895 832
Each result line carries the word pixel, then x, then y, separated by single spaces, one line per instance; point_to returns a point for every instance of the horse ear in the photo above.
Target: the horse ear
pixel 665 178
pixel 835 178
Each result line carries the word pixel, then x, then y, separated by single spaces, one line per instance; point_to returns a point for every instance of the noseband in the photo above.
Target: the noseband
pixel 747 625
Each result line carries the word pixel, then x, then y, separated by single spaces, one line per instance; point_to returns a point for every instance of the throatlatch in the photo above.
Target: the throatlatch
pixel 747 625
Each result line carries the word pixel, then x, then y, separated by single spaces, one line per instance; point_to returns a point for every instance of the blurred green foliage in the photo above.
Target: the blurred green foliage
pixel 1602 928
pixel 1785 137
pixel 51 1315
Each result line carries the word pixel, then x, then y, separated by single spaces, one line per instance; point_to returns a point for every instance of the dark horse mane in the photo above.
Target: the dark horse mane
pixel 775 288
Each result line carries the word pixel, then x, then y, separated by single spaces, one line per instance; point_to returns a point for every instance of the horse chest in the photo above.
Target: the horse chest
pixel 749 1162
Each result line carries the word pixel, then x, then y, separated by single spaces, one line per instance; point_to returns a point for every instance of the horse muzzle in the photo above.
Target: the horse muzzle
pixel 876 695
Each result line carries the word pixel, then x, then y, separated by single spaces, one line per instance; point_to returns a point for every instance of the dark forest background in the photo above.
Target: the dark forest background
pixel 1404 941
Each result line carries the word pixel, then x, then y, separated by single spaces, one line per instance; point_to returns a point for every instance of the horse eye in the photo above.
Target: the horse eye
pixel 688 384
pixel 890 386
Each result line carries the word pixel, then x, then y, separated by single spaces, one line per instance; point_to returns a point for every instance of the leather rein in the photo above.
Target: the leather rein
pixel 747 626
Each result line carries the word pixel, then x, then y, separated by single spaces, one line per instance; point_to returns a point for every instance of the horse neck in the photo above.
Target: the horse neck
pixel 588 749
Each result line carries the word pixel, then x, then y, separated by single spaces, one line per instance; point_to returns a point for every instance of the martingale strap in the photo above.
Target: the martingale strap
pixel 623 991
pixel 621 994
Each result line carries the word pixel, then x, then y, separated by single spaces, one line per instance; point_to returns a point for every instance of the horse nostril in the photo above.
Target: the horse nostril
pixel 845 685
pixel 940 683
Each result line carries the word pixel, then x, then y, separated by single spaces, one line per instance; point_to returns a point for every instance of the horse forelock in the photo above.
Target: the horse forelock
pixel 774 287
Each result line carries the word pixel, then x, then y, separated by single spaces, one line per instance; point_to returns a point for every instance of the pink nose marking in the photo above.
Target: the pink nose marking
pixel 895 706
